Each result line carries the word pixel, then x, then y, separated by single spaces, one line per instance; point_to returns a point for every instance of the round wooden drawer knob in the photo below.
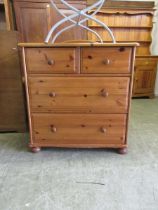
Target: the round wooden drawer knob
pixel 50 62
pixel 103 129
pixel 53 94
pixel 104 93
pixel 53 128
pixel 106 61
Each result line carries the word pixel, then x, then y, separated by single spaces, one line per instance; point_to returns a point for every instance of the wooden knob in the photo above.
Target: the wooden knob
pixel 122 49
pixel 103 129
pixel 53 128
pixel 106 61
pixel 50 62
pixel 104 93
pixel 52 94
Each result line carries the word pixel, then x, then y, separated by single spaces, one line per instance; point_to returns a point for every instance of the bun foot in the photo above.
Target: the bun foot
pixel 35 149
pixel 122 151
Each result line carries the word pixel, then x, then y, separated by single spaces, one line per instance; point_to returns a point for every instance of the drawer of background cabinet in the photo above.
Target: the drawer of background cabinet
pixel 79 128
pixel 106 60
pixel 79 94
pixel 51 60
pixel 146 62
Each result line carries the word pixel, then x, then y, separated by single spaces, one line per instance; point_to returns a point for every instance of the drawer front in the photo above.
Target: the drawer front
pixel 51 60
pixel 106 60
pixel 146 63
pixel 79 94
pixel 84 129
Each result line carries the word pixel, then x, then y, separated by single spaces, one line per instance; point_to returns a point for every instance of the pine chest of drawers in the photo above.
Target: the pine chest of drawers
pixel 78 95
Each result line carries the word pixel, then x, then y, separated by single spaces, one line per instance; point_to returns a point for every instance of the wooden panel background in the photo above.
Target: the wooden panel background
pixel 12 110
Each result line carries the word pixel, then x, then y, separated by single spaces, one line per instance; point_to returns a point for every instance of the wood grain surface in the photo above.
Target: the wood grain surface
pixel 79 129
pixel 79 94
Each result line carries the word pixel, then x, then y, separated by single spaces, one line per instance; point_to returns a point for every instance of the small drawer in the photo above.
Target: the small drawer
pixel 51 60
pixel 79 129
pixel 106 60
pixel 79 94
pixel 144 62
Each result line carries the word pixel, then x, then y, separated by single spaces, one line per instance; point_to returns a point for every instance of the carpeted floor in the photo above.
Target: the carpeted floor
pixel 73 179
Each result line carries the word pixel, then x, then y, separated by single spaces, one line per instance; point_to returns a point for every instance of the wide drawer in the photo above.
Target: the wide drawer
pixel 51 60
pixel 79 94
pixel 106 60
pixel 79 129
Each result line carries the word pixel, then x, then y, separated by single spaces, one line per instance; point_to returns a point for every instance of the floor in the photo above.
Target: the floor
pixel 73 179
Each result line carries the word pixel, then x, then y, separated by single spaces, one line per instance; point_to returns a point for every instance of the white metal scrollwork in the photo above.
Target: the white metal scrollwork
pixel 77 15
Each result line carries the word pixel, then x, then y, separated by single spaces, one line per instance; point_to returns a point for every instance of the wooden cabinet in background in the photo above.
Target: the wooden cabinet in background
pixel 132 22
pixel 145 75
pixel 127 24
pixel 35 18
pixel 12 110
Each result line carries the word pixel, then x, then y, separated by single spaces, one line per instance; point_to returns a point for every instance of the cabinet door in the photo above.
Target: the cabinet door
pixel 33 20
pixel 144 81
pixel 12 110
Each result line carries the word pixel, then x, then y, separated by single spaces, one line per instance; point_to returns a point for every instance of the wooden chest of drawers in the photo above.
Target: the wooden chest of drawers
pixel 78 95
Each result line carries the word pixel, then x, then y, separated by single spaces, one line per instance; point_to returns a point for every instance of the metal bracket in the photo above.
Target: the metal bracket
pixel 78 14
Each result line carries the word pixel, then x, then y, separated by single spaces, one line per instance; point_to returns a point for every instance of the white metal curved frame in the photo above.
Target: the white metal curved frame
pixel 78 14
